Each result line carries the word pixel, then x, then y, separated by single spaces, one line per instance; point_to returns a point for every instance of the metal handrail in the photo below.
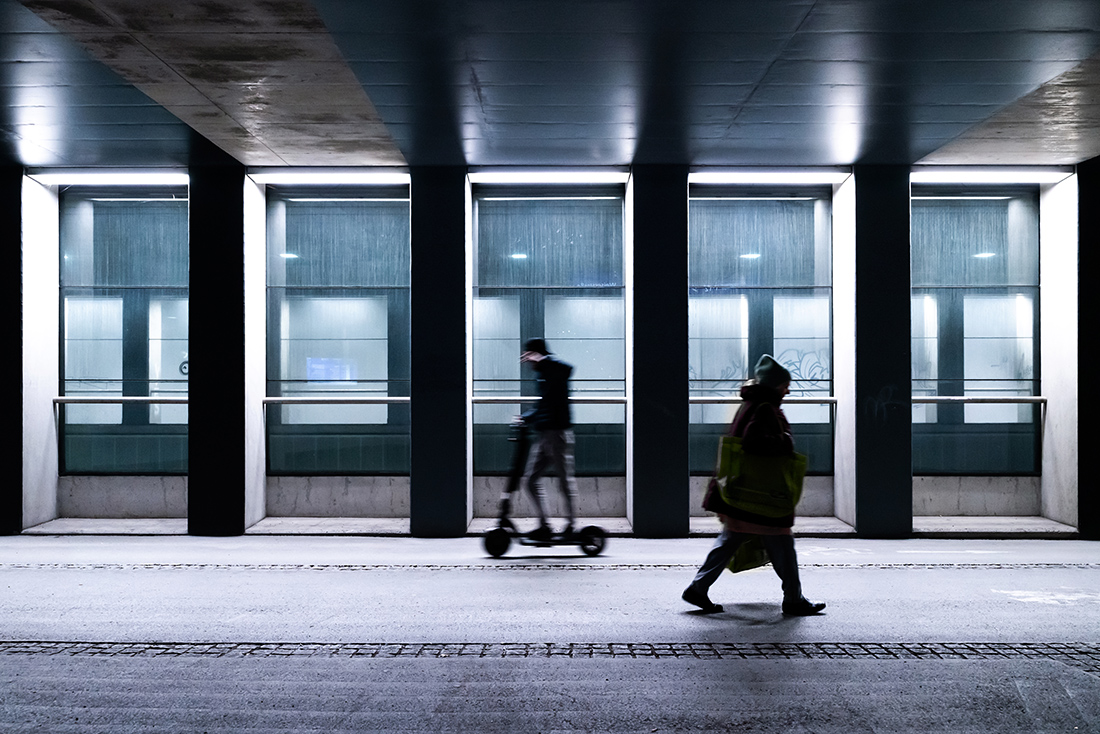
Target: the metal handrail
pixel 726 400
pixel 116 400
pixel 329 400
pixel 974 399
pixel 515 399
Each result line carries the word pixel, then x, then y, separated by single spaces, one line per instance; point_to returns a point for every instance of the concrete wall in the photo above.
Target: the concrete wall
pixel 817 497
pixel 122 497
pixel 337 497
pixel 41 359
pixel 1058 285
pixel 255 356
pixel 976 496
pixel 844 349
pixel 597 497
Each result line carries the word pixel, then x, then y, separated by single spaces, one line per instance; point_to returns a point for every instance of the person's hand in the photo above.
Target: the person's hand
pixel 531 357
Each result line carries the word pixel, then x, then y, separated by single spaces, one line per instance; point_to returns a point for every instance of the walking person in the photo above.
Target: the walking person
pixel 764 431
pixel 553 445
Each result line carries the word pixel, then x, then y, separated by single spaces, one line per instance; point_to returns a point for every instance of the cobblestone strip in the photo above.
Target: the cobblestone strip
pixel 1085 655
pixel 503 565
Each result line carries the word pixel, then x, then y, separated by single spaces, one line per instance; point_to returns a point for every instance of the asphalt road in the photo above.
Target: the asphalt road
pixel 402 634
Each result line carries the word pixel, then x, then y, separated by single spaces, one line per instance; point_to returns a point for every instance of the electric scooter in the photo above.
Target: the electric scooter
pixel 591 539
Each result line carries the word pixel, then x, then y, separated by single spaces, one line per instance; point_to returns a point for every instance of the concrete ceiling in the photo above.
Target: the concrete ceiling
pixel 550 82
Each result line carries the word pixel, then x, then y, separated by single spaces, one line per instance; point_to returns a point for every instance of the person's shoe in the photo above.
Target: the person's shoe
pixel 699 598
pixel 566 532
pixel 802 608
pixel 541 534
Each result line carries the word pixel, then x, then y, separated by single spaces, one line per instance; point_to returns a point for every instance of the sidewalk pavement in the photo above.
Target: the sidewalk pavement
pixel 306 633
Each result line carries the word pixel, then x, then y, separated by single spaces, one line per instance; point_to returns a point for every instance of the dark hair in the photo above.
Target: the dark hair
pixel 536 345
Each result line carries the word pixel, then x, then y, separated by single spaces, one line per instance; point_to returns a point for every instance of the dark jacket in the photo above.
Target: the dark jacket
pixel 760 423
pixel 552 411
pixel 763 430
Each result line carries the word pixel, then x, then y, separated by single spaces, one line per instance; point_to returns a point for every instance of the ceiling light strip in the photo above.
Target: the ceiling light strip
pixel 769 177
pixel 988 175
pixel 329 176
pixel 102 177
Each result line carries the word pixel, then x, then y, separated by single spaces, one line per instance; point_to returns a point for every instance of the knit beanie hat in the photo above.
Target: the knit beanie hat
pixel 771 373
pixel 536 345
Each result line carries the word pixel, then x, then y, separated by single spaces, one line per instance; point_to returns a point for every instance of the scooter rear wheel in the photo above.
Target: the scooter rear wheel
pixel 497 541
pixel 593 539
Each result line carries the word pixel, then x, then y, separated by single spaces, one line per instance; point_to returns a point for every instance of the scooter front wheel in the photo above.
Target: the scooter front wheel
pixel 593 539
pixel 497 541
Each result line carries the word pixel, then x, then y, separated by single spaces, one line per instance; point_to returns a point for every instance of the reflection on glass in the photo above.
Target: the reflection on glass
pixel 975 308
pixel 760 274
pixel 124 261
pixel 802 344
pixel 550 265
pixel 718 348
pixel 338 327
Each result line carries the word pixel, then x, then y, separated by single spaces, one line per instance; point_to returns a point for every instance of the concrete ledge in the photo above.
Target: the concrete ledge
pixel 122 497
pixel 100 526
pixel 330 526
pixel 804 527
pixel 999 527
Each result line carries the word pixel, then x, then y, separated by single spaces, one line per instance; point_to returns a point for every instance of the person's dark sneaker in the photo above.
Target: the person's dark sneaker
pixel 699 598
pixel 566 533
pixel 541 534
pixel 802 608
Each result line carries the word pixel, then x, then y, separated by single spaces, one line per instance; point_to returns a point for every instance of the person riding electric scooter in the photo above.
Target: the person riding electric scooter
pixel 553 447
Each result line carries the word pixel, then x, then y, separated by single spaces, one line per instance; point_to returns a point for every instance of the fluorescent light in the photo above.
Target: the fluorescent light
pixel 141 199
pixel 773 177
pixel 519 256
pixel 957 175
pixel 288 255
pixel 986 254
pixel 92 177
pixel 961 198
pixel 330 176
pixel 329 200
pixel 750 256
pixel 752 198
pixel 579 177
pixel 548 198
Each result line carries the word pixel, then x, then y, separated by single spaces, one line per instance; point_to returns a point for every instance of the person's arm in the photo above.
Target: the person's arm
pixel 766 434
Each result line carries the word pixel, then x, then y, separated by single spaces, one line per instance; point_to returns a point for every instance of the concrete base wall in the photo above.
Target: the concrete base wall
pixel 338 496
pixel 817 497
pixel 976 496
pixel 122 497
pixel 597 497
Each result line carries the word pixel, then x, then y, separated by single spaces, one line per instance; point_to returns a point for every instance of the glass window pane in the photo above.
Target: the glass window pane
pixel 124 277
pixel 975 309
pixel 998 355
pixel 759 241
pixel 93 357
pixel 338 327
pixel 550 266
pixel 925 355
pixel 975 240
pixel 718 353
pixel 168 365
pixel 546 241
pixel 760 273
pixel 803 344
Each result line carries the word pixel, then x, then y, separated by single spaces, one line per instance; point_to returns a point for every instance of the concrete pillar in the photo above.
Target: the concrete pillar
pixel 11 233
pixel 1088 432
pixel 440 504
pixel 658 440
pixel 216 446
pixel 883 434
